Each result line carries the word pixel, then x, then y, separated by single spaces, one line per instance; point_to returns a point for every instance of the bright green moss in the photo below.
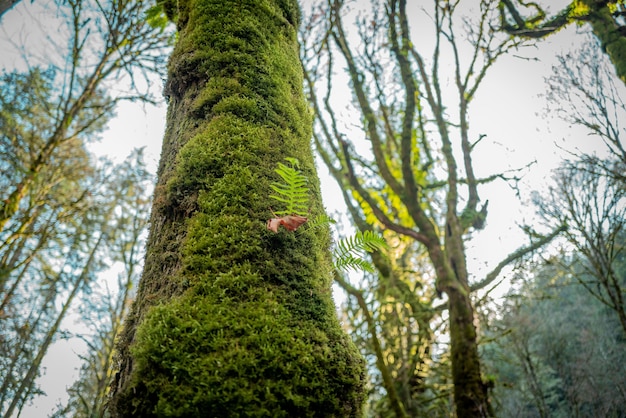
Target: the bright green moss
pixel 241 322
pixel 264 362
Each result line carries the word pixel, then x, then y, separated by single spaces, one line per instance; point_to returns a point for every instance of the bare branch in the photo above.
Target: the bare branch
pixel 516 255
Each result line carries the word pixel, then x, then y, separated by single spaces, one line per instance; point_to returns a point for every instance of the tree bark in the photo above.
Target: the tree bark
pixel 6 5
pixel 232 319
pixel 470 393
pixel 610 34
pixel 605 25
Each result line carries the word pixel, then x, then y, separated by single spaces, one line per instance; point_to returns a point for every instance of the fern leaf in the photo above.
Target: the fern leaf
pixel 350 262
pixel 350 252
pixel 293 191
pixel 321 220
pixel 360 242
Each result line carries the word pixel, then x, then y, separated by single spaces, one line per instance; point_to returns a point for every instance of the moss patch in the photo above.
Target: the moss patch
pixel 221 355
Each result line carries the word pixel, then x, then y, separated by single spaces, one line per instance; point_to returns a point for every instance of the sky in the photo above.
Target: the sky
pixel 508 108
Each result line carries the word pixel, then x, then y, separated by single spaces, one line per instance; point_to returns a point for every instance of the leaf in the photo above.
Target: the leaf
pixel 349 253
pixel 350 262
pixel 290 222
pixel 360 242
pixel 293 191
pixel 321 220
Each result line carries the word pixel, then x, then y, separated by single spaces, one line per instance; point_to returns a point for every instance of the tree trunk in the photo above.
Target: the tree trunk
pixel 470 393
pixel 232 319
pixel 5 5
pixel 610 34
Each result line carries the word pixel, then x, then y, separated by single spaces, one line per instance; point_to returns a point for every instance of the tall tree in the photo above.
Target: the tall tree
pixel 583 91
pixel 52 219
pixel 394 324
pixel 106 303
pixel 109 41
pixel 606 19
pixel 594 208
pixel 44 291
pixel 41 251
pixel 408 169
pixel 552 350
pixel 231 318
pixel 589 193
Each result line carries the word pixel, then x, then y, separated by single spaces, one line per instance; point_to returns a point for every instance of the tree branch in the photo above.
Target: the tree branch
pixel 519 253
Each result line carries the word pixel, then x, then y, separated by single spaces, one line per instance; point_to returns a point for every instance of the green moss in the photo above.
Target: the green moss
pixel 218 356
pixel 232 319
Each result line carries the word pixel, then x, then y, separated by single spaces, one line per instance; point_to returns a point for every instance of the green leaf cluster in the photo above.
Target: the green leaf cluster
pixel 293 192
pixel 156 16
pixel 350 251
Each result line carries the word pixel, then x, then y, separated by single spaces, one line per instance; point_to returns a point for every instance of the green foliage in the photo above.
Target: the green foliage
pixel 294 192
pixel 349 253
pixel 555 351
pixel 157 17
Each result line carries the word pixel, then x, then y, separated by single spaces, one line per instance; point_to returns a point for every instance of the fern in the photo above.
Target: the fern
pixel 349 253
pixel 351 262
pixel 293 191
pixel 320 221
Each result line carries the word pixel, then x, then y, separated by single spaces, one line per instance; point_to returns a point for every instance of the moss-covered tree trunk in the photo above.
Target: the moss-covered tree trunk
pixel 470 393
pixel 232 319
pixel 610 34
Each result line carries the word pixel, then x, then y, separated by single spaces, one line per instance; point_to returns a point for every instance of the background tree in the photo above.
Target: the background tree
pixel 408 170
pixel 105 303
pixel 395 327
pixel 552 347
pixel 594 208
pixel 606 19
pixel 40 252
pixel 582 91
pixel 231 318
pixel 553 351
pixel 45 291
pixel 589 193
pixel 107 41
pixel 54 212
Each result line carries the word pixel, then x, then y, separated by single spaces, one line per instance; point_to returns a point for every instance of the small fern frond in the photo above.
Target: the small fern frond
pixel 351 262
pixel 293 191
pixel 360 242
pixel 321 220
pixel 350 252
